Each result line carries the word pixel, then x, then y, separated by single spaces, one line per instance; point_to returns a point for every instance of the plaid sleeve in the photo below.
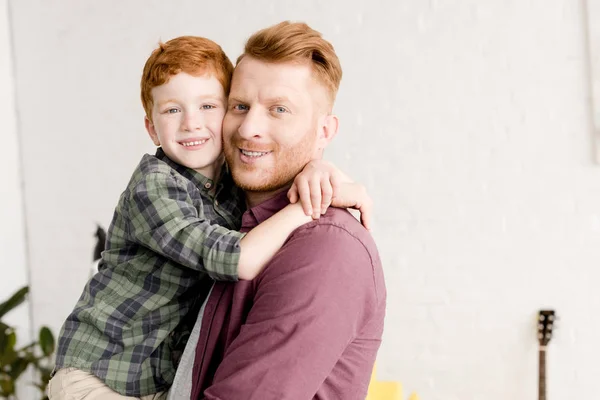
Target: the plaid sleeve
pixel 164 219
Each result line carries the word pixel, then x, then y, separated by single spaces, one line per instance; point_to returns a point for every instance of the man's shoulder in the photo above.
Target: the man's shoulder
pixel 338 227
pixel 336 245
pixel 336 252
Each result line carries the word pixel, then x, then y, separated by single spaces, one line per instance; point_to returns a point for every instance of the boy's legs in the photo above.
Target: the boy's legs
pixel 74 384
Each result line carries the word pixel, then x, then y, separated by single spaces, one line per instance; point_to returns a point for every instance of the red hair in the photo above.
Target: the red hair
pixel 297 42
pixel 190 54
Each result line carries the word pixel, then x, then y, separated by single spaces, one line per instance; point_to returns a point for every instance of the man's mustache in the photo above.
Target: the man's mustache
pixel 252 146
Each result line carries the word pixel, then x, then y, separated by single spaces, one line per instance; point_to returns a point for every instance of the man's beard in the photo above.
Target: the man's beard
pixel 288 162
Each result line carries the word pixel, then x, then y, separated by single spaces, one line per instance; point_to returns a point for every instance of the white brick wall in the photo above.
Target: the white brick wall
pixel 468 120
pixel 13 260
pixel 13 268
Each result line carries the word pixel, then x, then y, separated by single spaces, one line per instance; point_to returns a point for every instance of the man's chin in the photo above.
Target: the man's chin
pixel 248 182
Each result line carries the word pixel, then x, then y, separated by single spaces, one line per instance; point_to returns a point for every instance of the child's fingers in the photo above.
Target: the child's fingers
pixel 366 212
pixel 336 183
pixel 327 194
pixel 315 196
pixel 293 194
pixel 304 194
pixel 365 218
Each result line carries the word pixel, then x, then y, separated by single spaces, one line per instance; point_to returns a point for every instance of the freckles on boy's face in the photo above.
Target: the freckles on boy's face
pixel 187 119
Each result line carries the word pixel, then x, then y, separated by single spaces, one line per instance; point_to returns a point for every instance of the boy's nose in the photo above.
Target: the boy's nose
pixel 192 121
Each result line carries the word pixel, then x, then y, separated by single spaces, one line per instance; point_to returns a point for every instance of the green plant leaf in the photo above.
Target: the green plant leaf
pixel 45 373
pixel 17 367
pixel 9 355
pixel 15 300
pixel 46 341
pixel 4 332
pixel 7 386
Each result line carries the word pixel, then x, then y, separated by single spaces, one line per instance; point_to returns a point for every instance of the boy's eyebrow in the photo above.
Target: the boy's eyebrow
pixel 162 103
pixel 212 96
pixel 204 97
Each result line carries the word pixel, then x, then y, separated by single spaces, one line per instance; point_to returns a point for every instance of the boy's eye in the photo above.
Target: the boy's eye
pixel 208 107
pixel 172 111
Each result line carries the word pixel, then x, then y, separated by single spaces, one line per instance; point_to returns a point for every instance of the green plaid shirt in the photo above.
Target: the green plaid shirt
pixel 169 235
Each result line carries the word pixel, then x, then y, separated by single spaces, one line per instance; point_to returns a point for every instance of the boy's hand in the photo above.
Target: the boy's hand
pixel 321 184
pixel 354 195
pixel 315 187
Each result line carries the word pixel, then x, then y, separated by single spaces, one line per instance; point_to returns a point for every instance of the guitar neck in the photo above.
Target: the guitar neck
pixel 542 374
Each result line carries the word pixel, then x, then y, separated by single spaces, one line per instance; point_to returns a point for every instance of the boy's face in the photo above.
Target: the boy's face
pixel 187 116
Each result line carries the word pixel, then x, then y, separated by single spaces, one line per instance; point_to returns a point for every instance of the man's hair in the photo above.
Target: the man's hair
pixel 297 42
pixel 190 54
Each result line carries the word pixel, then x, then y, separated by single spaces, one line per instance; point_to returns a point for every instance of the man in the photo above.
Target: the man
pixel 309 326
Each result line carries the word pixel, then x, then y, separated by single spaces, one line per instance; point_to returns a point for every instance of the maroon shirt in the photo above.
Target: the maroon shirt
pixel 308 327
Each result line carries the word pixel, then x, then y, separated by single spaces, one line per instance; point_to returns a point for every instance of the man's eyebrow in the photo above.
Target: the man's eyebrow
pixel 235 99
pixel 278 99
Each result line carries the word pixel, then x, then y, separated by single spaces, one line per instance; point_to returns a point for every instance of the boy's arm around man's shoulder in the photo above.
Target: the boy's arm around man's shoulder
pixel 320 301
pixel 162 217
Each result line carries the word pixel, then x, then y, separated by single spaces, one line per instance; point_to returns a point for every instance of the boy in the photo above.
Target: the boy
pixel 172 229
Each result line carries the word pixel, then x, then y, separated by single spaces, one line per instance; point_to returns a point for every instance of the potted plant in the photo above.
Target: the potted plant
pixel 15 361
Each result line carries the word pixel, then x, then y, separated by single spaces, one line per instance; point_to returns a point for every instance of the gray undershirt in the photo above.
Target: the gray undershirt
pixel 182 384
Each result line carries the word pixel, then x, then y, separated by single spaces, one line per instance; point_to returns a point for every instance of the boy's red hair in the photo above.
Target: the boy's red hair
pixel 190 54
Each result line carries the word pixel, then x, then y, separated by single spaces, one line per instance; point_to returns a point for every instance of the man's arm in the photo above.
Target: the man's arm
pixel 310 303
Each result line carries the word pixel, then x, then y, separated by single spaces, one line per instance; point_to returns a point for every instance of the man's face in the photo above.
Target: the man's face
pixel 187 117
pixel 271 128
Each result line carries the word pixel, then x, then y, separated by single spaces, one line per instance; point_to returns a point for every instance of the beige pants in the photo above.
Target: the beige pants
pixel 74 384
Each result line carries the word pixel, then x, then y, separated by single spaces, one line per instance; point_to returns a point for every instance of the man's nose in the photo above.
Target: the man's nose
pixel 253 125
pixel 192 121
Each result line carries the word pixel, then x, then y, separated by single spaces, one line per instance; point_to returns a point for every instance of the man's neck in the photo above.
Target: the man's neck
pixel 255 198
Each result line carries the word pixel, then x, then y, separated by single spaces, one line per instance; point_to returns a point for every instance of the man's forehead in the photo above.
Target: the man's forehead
pixel 271 80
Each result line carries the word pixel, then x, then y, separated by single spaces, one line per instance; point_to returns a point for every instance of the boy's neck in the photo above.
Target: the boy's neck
pixel 212 171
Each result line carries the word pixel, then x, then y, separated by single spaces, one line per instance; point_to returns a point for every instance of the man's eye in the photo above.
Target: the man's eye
pixel 240 107
pixel 280 110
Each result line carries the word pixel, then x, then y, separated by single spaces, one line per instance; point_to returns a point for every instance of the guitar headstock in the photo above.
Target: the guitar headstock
pixel 546 319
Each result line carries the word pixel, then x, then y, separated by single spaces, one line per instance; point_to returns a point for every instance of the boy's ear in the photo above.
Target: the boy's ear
pixel 328 128
pixel 151 131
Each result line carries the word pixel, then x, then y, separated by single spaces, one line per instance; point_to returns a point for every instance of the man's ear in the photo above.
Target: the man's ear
pixel 151 131
pixel 328 128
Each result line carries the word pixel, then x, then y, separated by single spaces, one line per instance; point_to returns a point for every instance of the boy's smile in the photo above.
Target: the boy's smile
pixel 186 121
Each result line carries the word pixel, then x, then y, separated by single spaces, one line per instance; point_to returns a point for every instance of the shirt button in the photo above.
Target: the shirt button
pixel 207 185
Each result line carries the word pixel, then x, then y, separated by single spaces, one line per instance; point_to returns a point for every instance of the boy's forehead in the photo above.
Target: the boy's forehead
pixel 185 85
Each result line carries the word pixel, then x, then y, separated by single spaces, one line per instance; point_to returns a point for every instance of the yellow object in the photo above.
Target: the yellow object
pixel 384 390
